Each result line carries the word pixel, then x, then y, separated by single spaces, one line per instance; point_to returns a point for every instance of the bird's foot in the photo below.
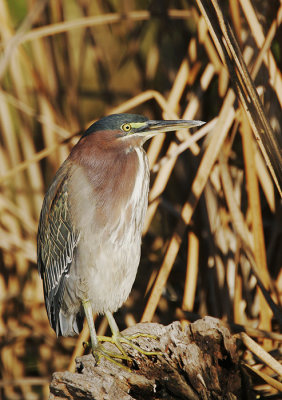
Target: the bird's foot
pixel 118 339
pixel 100 352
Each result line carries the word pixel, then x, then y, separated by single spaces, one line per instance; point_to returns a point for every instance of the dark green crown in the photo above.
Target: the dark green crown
pixel 114 122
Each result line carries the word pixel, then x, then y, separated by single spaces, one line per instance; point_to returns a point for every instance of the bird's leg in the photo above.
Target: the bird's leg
pixel 97 349
pixel 117 338
pixel 89 316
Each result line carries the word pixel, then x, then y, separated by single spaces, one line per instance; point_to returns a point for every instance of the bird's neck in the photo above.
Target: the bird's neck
pixel 111 169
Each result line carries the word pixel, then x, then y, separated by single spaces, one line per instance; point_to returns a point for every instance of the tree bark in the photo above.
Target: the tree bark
pixel 199 362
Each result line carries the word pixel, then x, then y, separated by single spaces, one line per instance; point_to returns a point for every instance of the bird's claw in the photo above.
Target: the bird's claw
pixel 100 352
pixel 137 335
pixel 118 339
pixel 129 341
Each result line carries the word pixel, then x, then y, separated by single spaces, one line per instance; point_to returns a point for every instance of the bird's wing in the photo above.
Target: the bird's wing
pixel 56 242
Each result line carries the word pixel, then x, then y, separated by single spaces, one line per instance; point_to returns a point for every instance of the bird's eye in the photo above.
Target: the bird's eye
pixel 126 127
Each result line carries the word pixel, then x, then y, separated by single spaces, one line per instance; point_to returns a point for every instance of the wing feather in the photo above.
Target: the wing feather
pixel 56 242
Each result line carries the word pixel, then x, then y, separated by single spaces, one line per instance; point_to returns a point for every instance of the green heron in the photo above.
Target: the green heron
pixel 89 234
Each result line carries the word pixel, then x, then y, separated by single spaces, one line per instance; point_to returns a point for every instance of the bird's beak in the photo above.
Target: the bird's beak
pixel 151 128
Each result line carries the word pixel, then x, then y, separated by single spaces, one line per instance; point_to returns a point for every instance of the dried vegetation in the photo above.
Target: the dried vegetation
pixel 212 238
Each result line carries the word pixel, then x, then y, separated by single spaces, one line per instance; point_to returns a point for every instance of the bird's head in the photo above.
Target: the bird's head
pixel 136 128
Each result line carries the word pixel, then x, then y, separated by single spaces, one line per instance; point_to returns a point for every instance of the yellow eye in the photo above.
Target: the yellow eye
pixel 126 127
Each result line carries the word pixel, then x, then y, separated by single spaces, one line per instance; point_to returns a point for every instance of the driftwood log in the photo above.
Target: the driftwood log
pixel 199 362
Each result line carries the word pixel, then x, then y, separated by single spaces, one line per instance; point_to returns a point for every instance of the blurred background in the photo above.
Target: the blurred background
pixel 65 64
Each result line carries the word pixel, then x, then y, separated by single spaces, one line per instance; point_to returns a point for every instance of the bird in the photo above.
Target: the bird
pixel 90 226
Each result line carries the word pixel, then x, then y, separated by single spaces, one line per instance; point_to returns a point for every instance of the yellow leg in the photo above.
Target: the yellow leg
pixel 97 349
pixel 117 338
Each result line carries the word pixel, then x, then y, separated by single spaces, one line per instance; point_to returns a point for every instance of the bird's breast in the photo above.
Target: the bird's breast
pixel 109 198
pixel 110 220
pixel 129 223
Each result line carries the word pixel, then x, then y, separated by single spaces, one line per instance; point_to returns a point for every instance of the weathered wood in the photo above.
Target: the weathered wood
pixel 199 362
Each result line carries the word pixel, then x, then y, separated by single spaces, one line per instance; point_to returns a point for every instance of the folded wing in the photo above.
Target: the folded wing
pixel 56 243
